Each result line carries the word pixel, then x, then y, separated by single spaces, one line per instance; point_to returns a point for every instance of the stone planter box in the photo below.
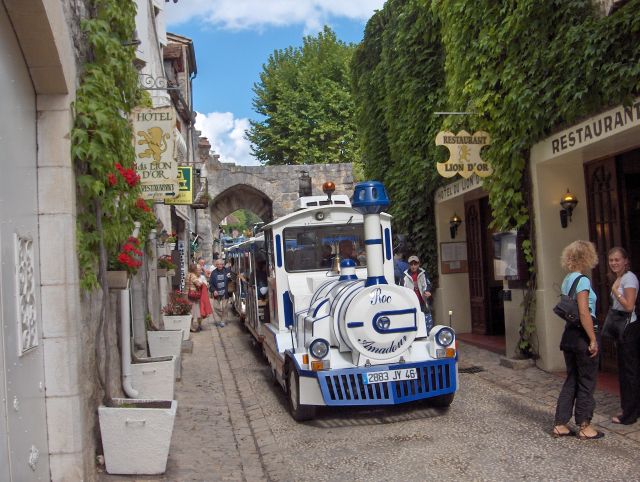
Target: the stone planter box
pixel 154 378
pixel 181 322
pixel 136 435
pixel 166 343
pixel 162 272
pixel 172 246
pixel 117 280
pixel 171 272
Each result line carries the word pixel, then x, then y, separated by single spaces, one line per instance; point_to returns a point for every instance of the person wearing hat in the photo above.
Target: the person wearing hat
pixel 415 278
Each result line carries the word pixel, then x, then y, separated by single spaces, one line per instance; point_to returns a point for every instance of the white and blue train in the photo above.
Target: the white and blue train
pixel 316 290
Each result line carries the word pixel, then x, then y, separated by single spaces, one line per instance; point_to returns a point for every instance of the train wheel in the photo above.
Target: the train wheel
pixel 441 401
pixel 300 413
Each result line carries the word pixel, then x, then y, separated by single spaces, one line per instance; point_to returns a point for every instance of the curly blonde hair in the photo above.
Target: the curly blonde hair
pixel 579 256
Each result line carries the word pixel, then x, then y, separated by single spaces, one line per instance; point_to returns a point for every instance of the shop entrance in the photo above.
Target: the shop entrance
pixel 487 307
pixel 613 187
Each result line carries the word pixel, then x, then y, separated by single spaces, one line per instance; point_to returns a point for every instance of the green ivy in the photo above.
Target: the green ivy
pixel 525 68
pixel 102 138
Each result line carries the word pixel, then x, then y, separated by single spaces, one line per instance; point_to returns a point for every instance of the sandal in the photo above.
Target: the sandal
pixel 557 433
pixel 597 435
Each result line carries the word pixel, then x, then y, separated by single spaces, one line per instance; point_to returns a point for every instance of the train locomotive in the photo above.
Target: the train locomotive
pixel 316 291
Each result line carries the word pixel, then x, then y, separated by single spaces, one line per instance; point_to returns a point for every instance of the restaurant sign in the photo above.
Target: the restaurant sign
pixel 464 154
pixel 154 145
pixel 185 190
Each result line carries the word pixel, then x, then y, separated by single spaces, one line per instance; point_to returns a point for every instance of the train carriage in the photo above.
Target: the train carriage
pixel 334 328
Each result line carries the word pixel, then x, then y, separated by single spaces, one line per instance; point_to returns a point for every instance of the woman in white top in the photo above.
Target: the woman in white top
pixel 622 314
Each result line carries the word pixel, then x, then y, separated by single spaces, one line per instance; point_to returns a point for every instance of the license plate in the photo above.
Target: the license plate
pixel 391 376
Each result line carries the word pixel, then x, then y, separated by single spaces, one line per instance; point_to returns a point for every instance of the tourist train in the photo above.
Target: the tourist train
pixel 315 289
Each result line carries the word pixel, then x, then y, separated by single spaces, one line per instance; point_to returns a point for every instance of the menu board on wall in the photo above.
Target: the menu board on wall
pixel 453 257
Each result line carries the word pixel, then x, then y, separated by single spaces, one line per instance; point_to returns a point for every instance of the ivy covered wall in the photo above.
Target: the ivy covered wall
pixel 525 68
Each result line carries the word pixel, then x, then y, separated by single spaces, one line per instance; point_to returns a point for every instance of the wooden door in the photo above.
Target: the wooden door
pixel 476 250
pixel 629 174
pixel 603 204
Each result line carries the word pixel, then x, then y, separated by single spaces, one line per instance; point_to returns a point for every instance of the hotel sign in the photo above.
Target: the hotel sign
pixel 457 188
pixel 154 145
pixel 464 154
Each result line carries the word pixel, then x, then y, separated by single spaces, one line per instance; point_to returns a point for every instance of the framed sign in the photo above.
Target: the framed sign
pixel 185 189
pixel 453 258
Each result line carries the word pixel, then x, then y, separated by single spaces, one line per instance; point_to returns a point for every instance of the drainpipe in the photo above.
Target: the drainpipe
pixel 125 343
pixel 125 334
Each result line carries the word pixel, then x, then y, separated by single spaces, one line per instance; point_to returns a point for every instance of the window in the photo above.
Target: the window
pixel 316 248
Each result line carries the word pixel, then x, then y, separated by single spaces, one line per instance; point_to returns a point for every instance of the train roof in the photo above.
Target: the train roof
pixel 309 214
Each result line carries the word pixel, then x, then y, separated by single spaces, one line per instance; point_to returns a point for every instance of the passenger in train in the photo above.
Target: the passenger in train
pixel 346 251
pixel 326 257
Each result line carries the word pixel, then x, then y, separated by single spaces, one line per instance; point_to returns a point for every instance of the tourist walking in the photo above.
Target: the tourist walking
pixel 205 303
pixel 399 267
pixel 219 288
pixel 579 345
pixel 193 286
pixel 621 324
pixel 415 278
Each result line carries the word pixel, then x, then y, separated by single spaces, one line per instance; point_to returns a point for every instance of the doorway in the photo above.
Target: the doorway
pixel 485 291
pixel 613 187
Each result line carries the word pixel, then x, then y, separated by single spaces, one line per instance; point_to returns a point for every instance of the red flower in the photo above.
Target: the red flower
pixel 141 204
pixel 112 179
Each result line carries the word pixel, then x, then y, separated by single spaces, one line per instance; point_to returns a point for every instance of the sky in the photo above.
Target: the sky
pixel 234 38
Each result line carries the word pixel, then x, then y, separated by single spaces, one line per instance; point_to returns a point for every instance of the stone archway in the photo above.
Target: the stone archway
pixel 241 196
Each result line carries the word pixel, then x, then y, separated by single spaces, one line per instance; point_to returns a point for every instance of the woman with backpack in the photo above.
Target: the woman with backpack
pixel 579 345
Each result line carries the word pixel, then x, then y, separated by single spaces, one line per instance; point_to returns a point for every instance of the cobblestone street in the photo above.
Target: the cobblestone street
pixel 232 424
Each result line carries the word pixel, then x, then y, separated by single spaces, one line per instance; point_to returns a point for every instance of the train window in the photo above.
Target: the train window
pixel 316 248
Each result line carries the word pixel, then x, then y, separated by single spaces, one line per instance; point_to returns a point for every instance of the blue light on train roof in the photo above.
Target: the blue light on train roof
pixel 370 197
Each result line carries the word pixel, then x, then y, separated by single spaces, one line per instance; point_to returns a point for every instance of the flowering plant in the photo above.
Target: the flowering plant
pixel 178 305
pixel 129 258
pixel 165 262
pixel 172 238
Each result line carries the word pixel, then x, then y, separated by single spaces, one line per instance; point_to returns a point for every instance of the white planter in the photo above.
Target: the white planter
pixel 166 343
pixel 154 378
pixel 181 322
pixel 136 435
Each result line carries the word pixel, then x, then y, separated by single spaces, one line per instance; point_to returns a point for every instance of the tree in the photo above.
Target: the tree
pixel 305 98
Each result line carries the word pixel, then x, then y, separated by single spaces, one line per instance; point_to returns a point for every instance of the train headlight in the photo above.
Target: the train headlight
pixel 319 348
pixel 319 215
pixel 445 337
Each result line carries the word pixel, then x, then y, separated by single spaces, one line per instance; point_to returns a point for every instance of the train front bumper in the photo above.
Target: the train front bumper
pixel 348 387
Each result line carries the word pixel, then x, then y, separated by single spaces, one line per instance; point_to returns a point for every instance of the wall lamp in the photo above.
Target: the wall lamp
pixel 568 203
pixel 162 237
pixel 454 222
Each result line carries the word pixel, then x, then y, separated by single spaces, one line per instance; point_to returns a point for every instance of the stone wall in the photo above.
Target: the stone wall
pixel 269 191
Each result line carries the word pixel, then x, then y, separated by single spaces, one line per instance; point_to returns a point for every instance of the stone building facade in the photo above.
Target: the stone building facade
pixel 269 191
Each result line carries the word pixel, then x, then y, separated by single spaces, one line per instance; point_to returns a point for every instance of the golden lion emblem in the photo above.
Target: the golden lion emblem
pixel 156 141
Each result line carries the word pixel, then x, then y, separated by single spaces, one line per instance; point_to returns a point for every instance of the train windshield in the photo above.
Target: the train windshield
pixel 311 248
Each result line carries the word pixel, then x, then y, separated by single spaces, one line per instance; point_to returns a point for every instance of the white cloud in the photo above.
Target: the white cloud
pixel 226 136
pixel 258 14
